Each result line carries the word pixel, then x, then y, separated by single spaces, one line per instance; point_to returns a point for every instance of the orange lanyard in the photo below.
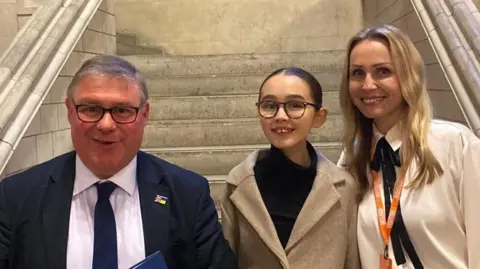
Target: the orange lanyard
pixel 386 225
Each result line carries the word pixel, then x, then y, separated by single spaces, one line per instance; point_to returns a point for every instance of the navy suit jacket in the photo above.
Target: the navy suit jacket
pixel 35 212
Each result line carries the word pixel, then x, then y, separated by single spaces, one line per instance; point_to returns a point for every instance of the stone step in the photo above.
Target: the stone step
pixel 217 189
pixel 218 107
pixel 161 65
pixel 223 84
pixel 222 132
pixel 219 160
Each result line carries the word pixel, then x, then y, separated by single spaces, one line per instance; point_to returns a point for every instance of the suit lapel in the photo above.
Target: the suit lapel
pixel 56 210
pixel 155 215
pixel 319 202
pixel 249 202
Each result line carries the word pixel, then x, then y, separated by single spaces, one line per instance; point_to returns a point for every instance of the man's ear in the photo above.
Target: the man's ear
pixel 70 107
pixel 320 117
pixel 71 111
pixel 145 111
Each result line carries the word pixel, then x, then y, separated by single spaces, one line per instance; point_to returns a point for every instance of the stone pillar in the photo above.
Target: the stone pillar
pixel 9 22
pixel 49 133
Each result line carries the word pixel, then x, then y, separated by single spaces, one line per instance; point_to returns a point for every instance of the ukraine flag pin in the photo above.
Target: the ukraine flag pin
pixel 161 199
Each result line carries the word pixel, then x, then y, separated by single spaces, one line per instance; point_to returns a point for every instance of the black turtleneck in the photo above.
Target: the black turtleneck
pixel 284 186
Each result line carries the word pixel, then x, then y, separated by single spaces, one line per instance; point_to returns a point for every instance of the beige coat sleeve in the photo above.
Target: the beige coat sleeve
pixel 353 257
pixel 229 219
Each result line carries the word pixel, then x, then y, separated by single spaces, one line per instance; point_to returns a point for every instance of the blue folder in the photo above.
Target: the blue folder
pixel 154 261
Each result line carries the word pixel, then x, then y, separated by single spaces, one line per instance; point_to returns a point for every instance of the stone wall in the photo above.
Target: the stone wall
pixel 234 26
pixel 401 14
pixel 49 133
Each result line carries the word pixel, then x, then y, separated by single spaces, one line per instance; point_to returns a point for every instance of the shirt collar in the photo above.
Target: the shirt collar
pixel 125 178
pixel 393 136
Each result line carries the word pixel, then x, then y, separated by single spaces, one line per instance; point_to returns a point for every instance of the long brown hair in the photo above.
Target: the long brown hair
pixel 410 70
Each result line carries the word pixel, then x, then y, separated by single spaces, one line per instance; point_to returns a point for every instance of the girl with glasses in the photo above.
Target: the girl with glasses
pixel 288 206
pixel 419 179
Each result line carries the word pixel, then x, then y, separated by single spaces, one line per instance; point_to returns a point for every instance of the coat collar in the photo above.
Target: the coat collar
pixel 320 201
pixel 56 209
pixel 248 200
pixel 155 215
pixel 58 193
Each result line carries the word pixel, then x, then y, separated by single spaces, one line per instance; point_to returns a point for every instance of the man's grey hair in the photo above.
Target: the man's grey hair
pixel 113 66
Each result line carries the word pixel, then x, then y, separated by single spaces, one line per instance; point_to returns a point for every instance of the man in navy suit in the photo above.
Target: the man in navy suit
pixel 108 205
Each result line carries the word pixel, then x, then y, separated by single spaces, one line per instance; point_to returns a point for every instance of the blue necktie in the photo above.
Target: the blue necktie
pixel 105 233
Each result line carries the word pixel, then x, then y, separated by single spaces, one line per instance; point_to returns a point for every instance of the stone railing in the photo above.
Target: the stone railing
pixel 453 29
pixel 31 64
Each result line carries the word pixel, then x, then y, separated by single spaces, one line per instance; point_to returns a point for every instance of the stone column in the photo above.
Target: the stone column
pixel 49 132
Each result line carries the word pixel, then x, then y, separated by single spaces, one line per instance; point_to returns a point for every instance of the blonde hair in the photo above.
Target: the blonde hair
pixel 410 70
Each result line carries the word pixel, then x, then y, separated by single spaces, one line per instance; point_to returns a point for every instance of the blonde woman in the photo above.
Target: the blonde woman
pixel 419 175
pixel 289 207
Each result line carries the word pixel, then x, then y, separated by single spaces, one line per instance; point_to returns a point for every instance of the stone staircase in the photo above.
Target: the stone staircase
pixel 203 114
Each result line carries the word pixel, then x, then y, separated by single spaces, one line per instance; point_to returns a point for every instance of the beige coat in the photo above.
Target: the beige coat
pixel 324 235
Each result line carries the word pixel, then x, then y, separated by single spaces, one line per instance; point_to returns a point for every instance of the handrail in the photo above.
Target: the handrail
pixel 26 26
pixel 466 13
pixel 455 58
pixel 21 44
pixel 34 76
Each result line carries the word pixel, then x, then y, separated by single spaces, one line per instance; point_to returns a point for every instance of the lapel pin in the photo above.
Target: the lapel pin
pixel 161 199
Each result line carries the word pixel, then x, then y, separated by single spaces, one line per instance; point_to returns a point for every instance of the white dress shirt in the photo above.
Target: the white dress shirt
pixel 442 218
pixel 126 207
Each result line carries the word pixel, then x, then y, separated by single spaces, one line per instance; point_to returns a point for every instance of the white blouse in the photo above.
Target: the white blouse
pixel 442 218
